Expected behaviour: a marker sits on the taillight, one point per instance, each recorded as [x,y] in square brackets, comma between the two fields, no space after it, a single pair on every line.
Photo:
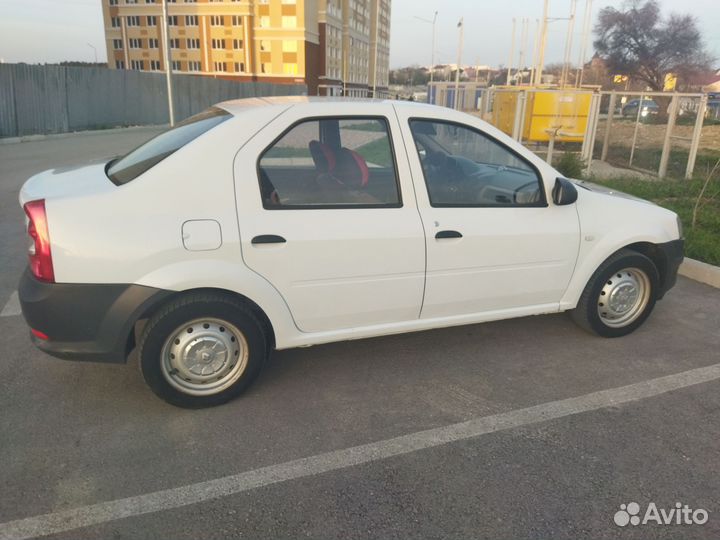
[39,251]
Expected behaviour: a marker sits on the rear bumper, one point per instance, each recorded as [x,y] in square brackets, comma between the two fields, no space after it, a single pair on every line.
[90,322]
[673,255]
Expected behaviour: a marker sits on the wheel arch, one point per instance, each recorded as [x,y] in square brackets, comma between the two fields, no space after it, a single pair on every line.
[147,311]
[595,258]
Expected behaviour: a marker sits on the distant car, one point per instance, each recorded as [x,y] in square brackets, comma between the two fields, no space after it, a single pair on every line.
[649,108]
[287,222]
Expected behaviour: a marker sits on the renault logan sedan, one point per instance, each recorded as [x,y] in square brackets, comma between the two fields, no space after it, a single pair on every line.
[274,223]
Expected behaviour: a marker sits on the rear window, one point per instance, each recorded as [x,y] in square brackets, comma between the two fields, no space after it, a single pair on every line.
[136,162]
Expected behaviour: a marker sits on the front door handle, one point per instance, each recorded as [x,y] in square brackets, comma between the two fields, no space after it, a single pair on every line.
[447,234]
[268,239]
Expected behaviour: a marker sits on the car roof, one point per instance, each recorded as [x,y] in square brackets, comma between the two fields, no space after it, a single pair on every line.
[238,106]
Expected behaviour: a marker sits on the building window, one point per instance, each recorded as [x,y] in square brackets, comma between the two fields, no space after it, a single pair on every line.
[115,22]
[152,20]
[264,45]
[193,66]
[131,1]
[152,43]
[220,66]
[176,65]
[289,1]
[155,65]
[137,64]
[290,69]
[191,20]
[289,46]
[193,43]
[217,20]
[289,21]
[265,68]
[173,20]
[264,21]
[117,44]
[237,20]
[237,43]
[113,2]
[150,1]
[239,67]
[218,44]
[119,64]
[175,43]
[190,2]
[135,43]
[133,20]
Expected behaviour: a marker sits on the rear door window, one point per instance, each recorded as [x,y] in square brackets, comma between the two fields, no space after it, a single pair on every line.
[136,162]
[330,163]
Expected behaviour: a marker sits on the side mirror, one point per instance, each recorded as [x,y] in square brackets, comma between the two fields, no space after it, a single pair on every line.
[564,192]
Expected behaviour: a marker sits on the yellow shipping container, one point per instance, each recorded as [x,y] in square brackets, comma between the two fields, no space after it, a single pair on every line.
[563,111]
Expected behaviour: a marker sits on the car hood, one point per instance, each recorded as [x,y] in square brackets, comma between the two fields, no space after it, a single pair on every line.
[66,182]
[604,190]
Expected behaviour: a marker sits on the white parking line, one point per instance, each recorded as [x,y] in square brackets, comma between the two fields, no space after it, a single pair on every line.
[85,516]
[12,306]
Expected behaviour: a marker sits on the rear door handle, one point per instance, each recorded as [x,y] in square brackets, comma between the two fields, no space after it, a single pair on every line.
[268,239]
[447,234]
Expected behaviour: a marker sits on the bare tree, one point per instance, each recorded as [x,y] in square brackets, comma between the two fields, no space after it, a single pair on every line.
[637,41]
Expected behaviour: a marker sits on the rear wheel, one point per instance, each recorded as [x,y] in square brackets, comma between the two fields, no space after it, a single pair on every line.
[202,350]
[620,295]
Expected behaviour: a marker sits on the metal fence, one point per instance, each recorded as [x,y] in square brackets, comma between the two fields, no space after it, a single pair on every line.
[57,99]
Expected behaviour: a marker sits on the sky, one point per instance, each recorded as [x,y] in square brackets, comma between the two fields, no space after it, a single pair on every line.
[55,30]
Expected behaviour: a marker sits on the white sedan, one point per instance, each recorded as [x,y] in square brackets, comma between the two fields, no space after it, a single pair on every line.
[274,223]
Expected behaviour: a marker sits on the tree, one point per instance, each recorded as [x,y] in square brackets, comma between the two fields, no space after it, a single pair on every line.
[637,41]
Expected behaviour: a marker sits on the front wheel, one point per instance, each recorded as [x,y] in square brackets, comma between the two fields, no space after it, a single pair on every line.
[620,295]
[202,350]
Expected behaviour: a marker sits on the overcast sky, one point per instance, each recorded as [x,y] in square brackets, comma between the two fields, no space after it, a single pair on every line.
[56,30]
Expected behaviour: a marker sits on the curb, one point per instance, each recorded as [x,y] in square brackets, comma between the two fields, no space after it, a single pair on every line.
[35,138]
[700,271]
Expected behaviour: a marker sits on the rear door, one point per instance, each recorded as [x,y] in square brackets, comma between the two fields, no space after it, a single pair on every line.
[327,215]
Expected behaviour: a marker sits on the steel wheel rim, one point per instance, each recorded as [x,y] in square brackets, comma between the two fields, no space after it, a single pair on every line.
[624,297]
[204,356]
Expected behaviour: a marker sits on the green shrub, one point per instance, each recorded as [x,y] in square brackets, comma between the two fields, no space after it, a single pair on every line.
[570,165]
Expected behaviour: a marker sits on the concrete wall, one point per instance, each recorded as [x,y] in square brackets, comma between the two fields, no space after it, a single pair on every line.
[56,99]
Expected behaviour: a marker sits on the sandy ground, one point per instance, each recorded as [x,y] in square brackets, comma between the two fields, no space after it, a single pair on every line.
[652,135]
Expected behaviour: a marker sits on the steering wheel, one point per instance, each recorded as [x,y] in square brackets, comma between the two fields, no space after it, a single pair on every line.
[534,196]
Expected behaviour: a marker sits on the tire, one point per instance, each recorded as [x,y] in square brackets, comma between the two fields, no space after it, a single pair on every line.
[620,295]
[202,350]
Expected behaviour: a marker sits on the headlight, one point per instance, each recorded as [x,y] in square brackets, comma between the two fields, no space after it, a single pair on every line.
[680,228]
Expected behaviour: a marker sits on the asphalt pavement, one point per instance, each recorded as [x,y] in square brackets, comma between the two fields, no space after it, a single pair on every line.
[526,428]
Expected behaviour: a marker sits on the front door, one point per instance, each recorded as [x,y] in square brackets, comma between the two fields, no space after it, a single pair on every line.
[494,244]
[327,215]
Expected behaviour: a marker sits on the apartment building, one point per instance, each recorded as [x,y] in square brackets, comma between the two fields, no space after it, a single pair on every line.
[335,47]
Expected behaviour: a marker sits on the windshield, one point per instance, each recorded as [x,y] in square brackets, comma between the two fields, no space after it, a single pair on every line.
[144,157]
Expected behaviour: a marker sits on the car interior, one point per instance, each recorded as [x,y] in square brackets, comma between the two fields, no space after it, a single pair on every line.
[477,172]
[329,162]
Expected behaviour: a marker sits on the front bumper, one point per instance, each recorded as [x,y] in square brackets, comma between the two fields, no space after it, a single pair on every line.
[91,322]
[672,255]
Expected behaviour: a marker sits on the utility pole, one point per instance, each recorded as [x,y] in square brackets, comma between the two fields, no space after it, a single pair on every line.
[568,45]
[512,53]
[375,63]
[459,61]
[535,51]
[543,43]
[168,62]
[525,22]
[587,18]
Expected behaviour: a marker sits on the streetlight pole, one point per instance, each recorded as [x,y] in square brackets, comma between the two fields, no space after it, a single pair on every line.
[94,50]
[432,53]
[168,63]
[459,60]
